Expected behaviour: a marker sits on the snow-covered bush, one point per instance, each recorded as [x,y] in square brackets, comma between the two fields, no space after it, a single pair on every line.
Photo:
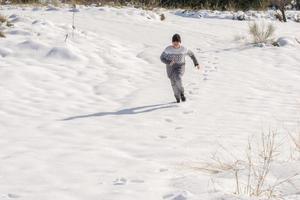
[262,32]
[241,16]
[297,18]
[162,17]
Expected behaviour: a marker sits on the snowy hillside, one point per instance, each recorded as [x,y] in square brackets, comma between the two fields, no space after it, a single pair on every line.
[89,114]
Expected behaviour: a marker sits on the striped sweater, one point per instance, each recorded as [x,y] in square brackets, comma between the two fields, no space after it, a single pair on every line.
[178,56]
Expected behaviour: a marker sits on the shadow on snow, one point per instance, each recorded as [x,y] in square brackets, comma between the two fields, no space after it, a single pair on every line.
[126,111]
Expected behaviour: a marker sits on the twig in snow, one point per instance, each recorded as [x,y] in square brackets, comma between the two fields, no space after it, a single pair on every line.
[66,37]
[73,20]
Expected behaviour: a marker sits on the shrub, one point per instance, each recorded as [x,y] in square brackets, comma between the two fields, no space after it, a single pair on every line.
[2,34]
[278,16]
[261,32]
[9,24]
[297,18]
[162,17]
[2,19]
[281,5]
[296,141]
[251,174]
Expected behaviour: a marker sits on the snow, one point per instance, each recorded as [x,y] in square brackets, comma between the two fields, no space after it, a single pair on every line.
[61,53]
[239,15]
[286,41]
[89,113]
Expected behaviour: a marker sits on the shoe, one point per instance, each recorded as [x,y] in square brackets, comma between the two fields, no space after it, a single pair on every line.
[177,99]
[183,99]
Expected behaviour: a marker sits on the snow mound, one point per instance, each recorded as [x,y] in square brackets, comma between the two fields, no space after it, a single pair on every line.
[31,45]
[36,9]
[74,10]
[62,53]
[133,12]
[149,15]
[16,19]
[183,195]
[51,8]
[18,32]
[103,9]
[204,14]
[42,22]
[5,52]
[13,16]
[238,15]
[286,41]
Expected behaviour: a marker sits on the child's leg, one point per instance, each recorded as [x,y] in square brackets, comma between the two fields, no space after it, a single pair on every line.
[175,89]
[179,85]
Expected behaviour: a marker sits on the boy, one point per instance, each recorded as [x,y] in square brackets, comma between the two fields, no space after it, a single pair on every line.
[174,57]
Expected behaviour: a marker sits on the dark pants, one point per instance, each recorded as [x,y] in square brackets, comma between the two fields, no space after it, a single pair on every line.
[176,82]
[175,74]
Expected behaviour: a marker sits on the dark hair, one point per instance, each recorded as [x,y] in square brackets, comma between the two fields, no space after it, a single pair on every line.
[176,38]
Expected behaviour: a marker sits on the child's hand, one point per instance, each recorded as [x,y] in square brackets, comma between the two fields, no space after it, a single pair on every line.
[172,63]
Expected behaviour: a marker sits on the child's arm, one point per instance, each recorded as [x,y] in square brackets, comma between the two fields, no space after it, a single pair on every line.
[164,59]
[193,57]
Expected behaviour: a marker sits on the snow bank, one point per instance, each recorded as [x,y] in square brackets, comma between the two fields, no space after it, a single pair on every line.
[19,32]
[16,19]
[52,8]
[32,45]
[239,15]
[286,41]
[62,53]
[133,12]
[4,52]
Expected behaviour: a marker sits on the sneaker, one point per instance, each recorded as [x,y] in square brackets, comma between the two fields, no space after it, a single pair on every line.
[183,98]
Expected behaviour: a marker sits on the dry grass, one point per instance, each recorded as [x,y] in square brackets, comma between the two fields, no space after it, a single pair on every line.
[295,138]
[9,24]
[217,166]
[3,19]
[2,34]
[251,174]
[261,32]
[259,164]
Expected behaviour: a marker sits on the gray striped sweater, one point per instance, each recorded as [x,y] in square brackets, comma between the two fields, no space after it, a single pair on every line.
[178,56]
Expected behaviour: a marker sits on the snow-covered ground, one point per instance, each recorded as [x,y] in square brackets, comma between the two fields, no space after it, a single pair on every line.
[248,15]
[89,114]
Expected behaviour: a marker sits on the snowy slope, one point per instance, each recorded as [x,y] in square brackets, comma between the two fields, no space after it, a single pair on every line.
[91,116]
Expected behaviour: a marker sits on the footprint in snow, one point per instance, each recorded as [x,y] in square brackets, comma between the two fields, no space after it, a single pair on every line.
[9,196]
[137,181]
[120,181]
[168,120]
[177,196]
[188,112]
[163,170]
[178,128]
[162,137]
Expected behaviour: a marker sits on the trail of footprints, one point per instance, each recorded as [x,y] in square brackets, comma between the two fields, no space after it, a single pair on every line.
[211,63]
[177,195]
[210,66]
